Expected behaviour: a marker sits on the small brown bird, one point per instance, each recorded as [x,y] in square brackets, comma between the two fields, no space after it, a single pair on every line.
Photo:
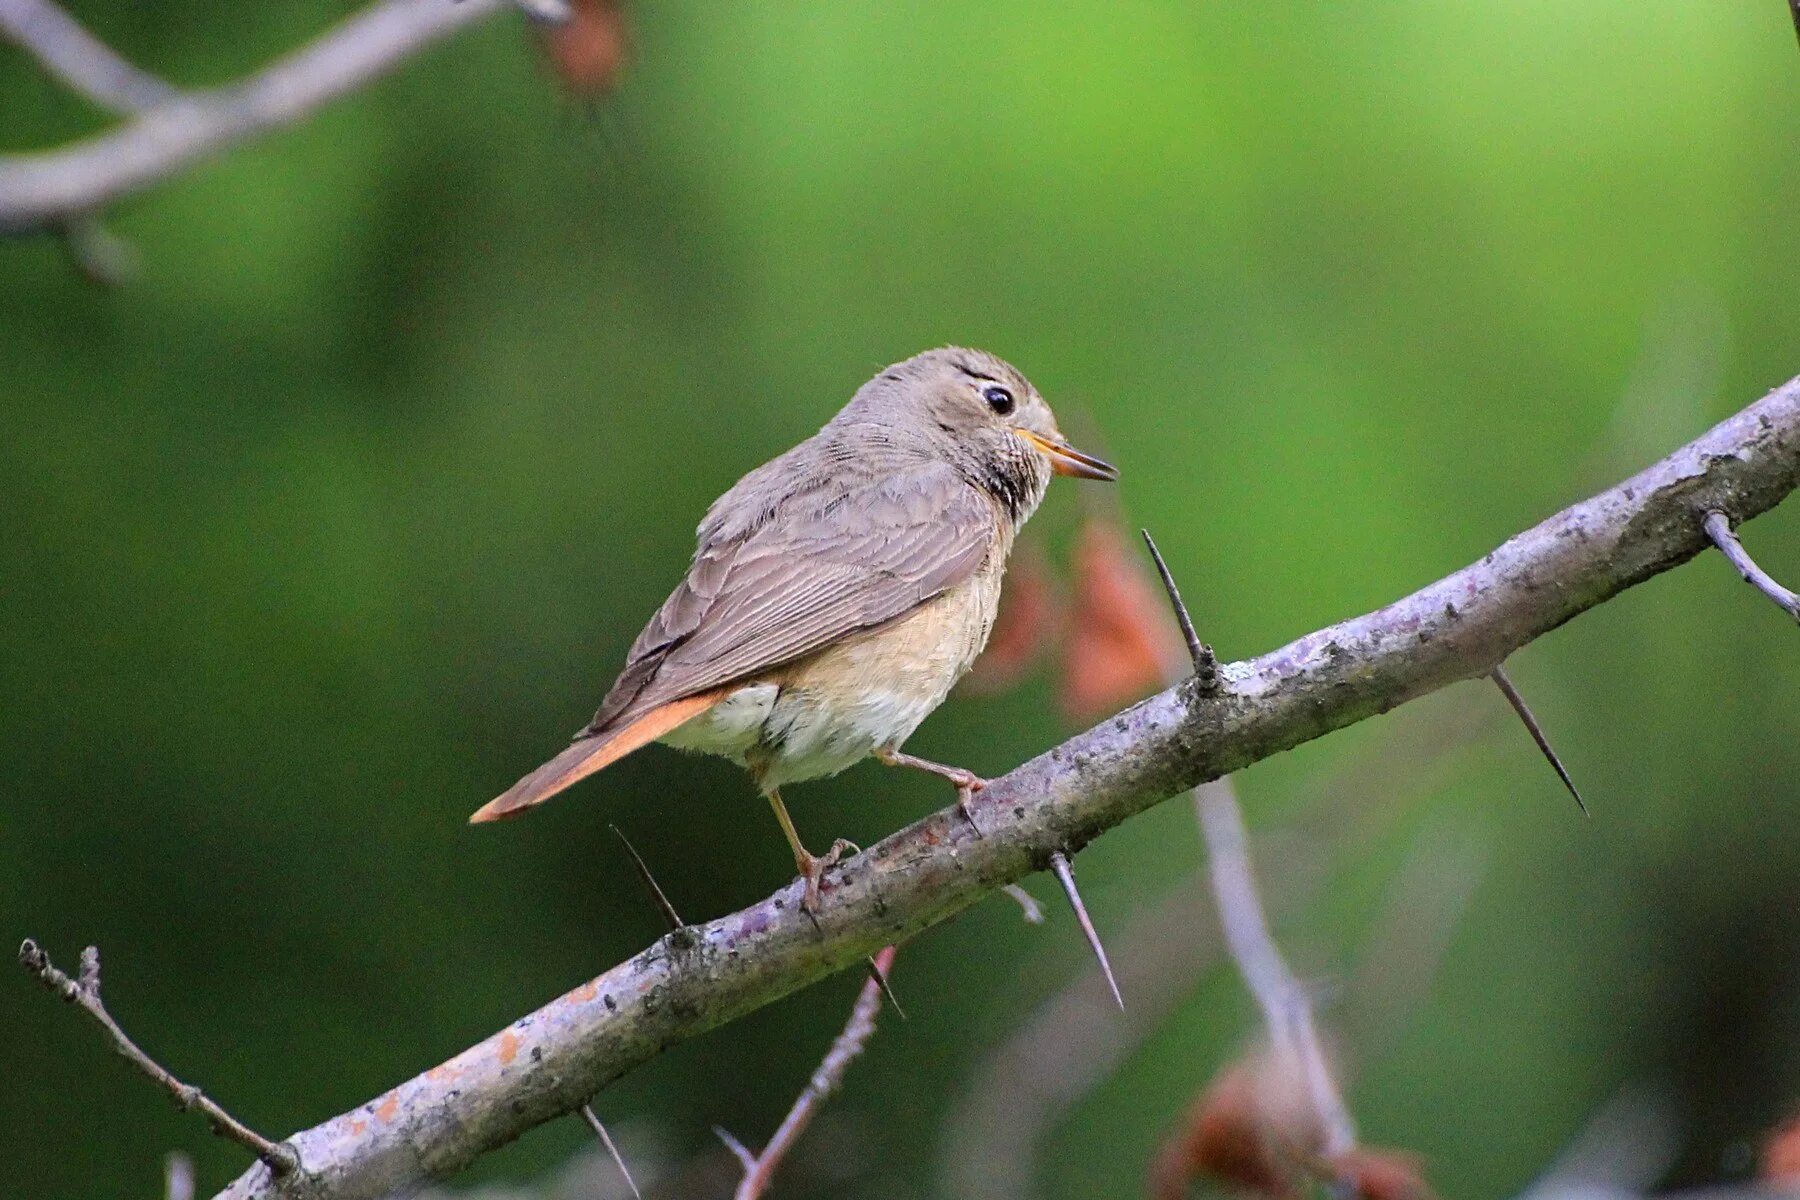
[839,591]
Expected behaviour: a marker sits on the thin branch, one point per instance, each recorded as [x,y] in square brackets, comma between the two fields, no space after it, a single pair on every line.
[1718,528]
[587,1114]
[44,190]
[759,1169]
[1286,1008]
[1206,663]
[85,992]
[1514,697]
[1065,875]
[82,62]
[546,1064]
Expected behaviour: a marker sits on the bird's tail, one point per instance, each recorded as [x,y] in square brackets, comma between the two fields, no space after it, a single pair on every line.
[593,752]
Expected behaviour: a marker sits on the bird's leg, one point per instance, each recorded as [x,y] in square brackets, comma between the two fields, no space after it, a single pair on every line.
[812,867]
[967,782]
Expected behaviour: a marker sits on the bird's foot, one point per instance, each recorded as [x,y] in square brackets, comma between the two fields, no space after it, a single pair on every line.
[967,783]
[813,868]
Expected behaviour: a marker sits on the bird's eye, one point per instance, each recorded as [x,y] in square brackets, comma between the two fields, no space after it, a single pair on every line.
[998,399]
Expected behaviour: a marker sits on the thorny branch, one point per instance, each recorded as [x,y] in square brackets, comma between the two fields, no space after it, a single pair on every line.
[85,991]
[47,190]
[759,1169]
[81,61]
[548,1063]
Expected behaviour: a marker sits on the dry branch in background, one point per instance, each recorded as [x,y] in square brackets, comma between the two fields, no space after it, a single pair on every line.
[48,189]
[85,992]
[846,1048]
[79,60]
[548,1063]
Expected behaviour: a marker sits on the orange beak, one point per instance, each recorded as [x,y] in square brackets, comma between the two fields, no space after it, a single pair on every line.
[1067,460]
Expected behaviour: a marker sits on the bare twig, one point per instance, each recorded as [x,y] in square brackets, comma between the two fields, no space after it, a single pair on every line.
[99,255]
[1718,528]
[669,915]
[44,190]
[81,61]
[1514,697]
[1065,875]
[548,1063]
[1206,663]
[1029,908]
[1286,1008]
[85,991]
[587,1114]
[759,1169]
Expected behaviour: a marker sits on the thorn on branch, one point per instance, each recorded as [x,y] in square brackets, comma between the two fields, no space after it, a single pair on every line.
[546,12]
[85,991]
[1718,528]
[1065,875]
[879,976]
[759,1169]
[1206,663]
[673,918]
[587,1113]
[1504,682]
[178,1177]
[98,255]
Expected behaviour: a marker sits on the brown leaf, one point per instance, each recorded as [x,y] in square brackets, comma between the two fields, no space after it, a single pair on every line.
[588,51]
[1032,613]
[1227,1136]
[1781,1154]
[1378,1174]
[1124,643]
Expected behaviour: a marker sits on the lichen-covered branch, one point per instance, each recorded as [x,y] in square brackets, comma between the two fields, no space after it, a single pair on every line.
[46,190]
[548,1063]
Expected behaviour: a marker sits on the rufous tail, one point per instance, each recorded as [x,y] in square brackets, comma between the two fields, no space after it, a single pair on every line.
[589,754]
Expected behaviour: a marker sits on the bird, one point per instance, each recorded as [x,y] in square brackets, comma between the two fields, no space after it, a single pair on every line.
[837,592]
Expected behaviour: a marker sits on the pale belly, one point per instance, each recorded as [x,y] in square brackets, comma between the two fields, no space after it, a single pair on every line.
[818,716]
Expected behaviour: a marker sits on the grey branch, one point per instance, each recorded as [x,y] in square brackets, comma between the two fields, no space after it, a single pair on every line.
[548,1063]
[81,61]
[85,992]
[759,1169]
[1718,528]
[46,190]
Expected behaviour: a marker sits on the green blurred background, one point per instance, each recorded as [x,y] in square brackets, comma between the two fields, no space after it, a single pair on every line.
[342,514]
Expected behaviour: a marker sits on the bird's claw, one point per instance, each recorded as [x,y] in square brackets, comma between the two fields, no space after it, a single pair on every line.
[812,872]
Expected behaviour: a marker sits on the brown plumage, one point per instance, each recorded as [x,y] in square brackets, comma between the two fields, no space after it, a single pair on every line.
[838,590]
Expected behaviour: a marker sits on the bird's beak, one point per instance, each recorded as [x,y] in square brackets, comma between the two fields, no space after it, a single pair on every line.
[1067,460]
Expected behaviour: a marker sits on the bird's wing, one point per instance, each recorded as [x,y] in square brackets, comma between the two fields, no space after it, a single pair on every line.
[832,562]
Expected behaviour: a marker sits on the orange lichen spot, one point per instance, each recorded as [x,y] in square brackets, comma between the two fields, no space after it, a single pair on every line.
[443,1072]
[388,1109]
[583,994]
[509,1048]
[358,1128]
